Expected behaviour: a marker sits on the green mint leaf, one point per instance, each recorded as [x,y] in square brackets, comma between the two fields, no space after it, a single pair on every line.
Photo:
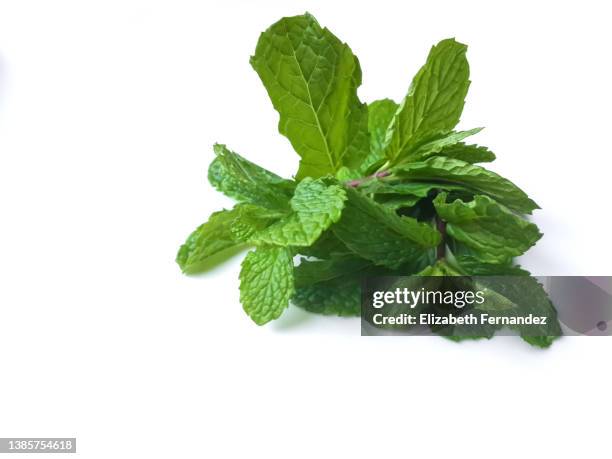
[527,296]
[312,272]
[440,268]
[345,174]
[470,176]
[474,266]
[433,281]
[396,202]
[434,270]
[327,246]
[434,147]
[468,153]
[443,270]
[418,189]
[457,334]
[380,114]
[378,234]
[434,102]
[495,233]
[333,286]
[316,206]
[266,283]
[540,341]
[339,297]
[469,262]
[396,195]
[223,230]
[312,80]
[240,179]
[522,294]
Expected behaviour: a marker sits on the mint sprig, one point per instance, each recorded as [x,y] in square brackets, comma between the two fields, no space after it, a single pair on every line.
[383,188]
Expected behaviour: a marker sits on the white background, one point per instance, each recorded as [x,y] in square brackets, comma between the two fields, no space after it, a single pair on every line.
[108,111]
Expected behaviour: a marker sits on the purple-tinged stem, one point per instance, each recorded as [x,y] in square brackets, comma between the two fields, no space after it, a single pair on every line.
[355,183]
[441,249]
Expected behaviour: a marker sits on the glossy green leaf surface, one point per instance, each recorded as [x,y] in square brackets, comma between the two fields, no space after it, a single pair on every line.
[378,234]
[266,283]
[312,80]
[490,229]
[434,102]
[470,176]
[244,181]
[316,206]
[223,230]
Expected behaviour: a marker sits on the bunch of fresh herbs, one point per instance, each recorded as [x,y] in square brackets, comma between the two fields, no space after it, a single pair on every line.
[382,188]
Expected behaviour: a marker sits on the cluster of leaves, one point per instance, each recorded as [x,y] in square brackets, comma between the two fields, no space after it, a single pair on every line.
[382,188]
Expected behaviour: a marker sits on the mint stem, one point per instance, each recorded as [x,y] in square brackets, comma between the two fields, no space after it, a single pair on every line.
[355,183]
[441,227]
